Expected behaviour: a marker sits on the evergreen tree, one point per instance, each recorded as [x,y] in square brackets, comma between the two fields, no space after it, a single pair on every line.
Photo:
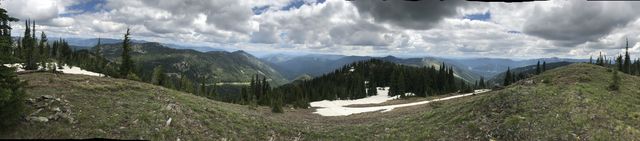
[482,83]
[615,83]
[538,68]
[619,62]
[43,50]
[626,68]
[159,77]
[508,78]
[11,96]
[6,41]
[29,47]
[98,55]
[276,102]
[544,66]
[126,66]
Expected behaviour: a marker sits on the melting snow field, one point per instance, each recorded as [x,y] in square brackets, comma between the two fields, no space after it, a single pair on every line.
[336,107]
[65,69]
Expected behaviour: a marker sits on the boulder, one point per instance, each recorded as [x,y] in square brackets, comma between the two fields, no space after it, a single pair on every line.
[38,119]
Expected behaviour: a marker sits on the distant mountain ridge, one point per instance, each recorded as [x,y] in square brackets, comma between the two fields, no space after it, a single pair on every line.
[318,64]
[237,66]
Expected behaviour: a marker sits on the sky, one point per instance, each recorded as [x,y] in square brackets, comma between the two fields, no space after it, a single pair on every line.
[451,28]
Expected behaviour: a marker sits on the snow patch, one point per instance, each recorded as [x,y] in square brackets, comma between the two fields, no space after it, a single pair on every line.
[336,107]
[65,69]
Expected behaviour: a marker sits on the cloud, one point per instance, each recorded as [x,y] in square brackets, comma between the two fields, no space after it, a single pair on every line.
[571,23]
[360,27]
[409,14]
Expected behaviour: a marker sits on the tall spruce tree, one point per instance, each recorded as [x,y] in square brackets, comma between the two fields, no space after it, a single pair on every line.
[626,68]
[544,66]
[6,41]
[159,77]
[126,66]
[538,68]
[28,43]
[507,78]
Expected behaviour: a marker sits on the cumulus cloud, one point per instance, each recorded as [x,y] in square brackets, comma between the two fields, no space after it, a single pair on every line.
[575,22]
[360,27]
[409,14]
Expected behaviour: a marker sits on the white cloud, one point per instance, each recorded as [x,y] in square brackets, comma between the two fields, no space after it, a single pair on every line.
[345,27]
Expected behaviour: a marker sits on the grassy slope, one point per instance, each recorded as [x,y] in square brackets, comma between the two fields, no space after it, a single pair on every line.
[575,105]
[116,108]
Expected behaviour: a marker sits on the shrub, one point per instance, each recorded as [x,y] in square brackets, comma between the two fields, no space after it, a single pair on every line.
[11,97]
[615,84]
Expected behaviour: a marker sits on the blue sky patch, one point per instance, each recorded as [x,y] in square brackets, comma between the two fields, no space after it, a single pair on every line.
[87,6]
[486,16]
[295,4]
[260,9]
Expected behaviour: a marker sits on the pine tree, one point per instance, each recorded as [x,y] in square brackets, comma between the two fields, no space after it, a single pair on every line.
[159,77]
[29,45]
[11,96]
[544,66]
[538,68]
[98,55]
[126,66]
[6,41]
[508,78]
[276,102]
[619,62]
[43,50]
[481,83]
[615,83]
[627,60]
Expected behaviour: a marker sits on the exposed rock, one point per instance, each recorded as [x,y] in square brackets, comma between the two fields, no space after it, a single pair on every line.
[168,123]
[50,108]
[56,109]
[47,97]
[36,112]
[38,119]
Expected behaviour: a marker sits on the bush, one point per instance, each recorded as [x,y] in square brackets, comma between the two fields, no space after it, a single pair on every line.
[615,84]
[11,97]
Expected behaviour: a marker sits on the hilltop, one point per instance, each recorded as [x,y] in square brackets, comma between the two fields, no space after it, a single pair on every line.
[567,103]
[237,66]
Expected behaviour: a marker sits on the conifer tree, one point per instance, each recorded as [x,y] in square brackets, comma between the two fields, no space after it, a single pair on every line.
[538,68]
[126,66]
[508,78]
[43,50]
[544,66]
[619,62]
[6,41]
[159,77]
[29,45]
[626,68]
[615,83]
[11,96]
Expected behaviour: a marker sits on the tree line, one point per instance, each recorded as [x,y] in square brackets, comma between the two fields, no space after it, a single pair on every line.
[362,79]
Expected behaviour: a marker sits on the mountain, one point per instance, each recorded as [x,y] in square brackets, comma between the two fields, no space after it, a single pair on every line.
[572,103]
[316,65]
[313,65]
[432,61]
[237,66]
[91,42]
[527,70]
[489,67]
